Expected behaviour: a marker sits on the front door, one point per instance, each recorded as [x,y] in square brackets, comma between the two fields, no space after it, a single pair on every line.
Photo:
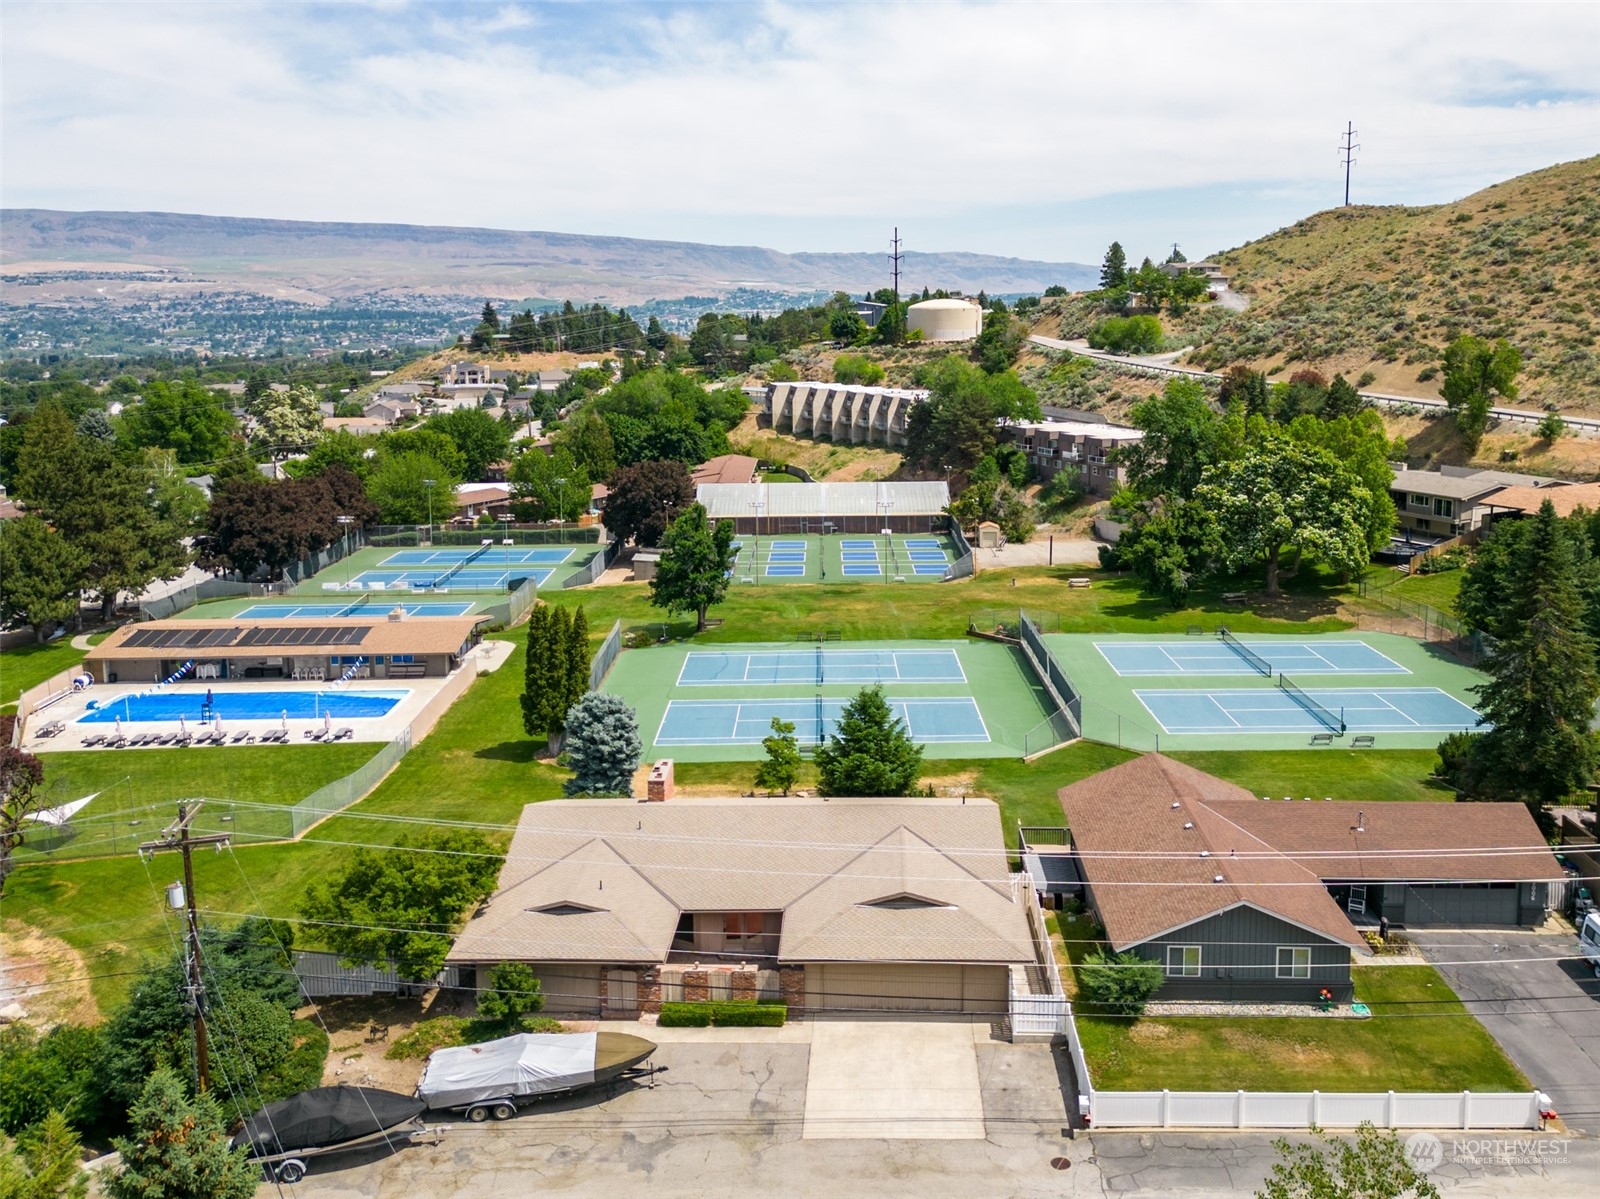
[622,993]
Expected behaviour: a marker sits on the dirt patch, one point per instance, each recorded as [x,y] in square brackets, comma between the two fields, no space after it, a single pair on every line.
[361,1029]
[1148,1031]
[46,976]
[821,459]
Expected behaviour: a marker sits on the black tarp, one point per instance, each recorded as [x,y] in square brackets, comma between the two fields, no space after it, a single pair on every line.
[323,1117]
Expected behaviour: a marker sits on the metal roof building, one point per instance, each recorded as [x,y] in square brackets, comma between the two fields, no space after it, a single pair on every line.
[828,507]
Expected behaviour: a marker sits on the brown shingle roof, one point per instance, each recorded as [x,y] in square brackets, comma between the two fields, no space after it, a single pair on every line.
[1152,852]
[726,468]
[821,863]
[378,635]
[1153,835]
[1565,500]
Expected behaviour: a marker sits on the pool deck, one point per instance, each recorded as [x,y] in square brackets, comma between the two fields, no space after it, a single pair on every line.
[489,655]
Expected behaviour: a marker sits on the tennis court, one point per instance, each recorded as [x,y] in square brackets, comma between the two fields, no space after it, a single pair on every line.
[818,664]
[480,568]
[942,720]
[1214,656]
[361,607]
[859,558]
[1275,710]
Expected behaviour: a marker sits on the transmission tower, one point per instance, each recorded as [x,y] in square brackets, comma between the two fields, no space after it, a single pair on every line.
[894,264]
[1347,149]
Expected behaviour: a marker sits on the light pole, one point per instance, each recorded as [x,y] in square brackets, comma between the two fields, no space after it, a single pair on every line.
[888,546]
[345,522]
[429,484]
[760,505]
[561,503]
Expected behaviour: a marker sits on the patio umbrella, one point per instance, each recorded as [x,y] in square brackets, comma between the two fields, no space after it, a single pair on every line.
[286,720]
[119,726]
[327,723]
[180,723]
[216,724]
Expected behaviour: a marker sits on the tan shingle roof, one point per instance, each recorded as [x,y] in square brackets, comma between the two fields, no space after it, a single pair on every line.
[378,635]
[1152,850]
[1565,500]
[821,863]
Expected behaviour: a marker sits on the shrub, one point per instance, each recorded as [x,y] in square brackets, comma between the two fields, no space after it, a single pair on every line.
[1128,335]
[736,1014]
[857,368]
[1119,982]
[444,1032]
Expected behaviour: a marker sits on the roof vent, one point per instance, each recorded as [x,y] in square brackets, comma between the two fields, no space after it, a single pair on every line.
[903,902]
[1175,805]
[1205,853]
[1188,824]
[565,909]
[1216,878]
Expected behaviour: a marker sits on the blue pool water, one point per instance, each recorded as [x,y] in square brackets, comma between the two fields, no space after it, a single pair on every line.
[246,705]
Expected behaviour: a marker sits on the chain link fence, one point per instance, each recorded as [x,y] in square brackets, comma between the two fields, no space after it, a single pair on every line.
[605,656]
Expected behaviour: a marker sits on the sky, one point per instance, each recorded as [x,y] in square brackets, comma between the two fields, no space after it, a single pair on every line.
[1033,130]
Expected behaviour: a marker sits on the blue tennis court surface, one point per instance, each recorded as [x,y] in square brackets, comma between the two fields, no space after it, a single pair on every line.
[1271,710]
[718,722]
[714,668]
[474,578]
[512,555]
[1207,655]
[367,605]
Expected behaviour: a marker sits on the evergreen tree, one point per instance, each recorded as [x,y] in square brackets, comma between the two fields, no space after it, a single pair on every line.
[656,337]
[869,752]
[781,770]
[1543,681]
[1114,270]
[490,317]
[1343,399]
[576,661]
[45,1162]
[179,1149]
[603,745]
[539,678]
[40,575]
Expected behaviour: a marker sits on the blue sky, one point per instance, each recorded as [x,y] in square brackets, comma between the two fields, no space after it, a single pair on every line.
[1037,131]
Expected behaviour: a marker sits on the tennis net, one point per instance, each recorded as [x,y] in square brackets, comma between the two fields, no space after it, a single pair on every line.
[820,737]
[1333,723]
[819,663]
[1256,662]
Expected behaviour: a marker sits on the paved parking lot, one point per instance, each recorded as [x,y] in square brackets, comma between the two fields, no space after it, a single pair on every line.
[1543,1011]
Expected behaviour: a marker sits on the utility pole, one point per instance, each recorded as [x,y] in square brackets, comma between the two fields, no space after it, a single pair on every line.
[176,836]
[894,262]
[1348,148]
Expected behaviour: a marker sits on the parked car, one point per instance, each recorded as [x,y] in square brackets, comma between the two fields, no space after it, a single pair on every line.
[1589,940]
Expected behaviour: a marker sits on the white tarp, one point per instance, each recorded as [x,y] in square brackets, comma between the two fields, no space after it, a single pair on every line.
[526,1064]
[59,816]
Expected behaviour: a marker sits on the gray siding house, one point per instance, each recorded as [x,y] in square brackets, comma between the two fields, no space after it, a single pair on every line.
[1250,899]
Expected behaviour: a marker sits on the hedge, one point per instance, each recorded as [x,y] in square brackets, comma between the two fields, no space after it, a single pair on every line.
[740,1014]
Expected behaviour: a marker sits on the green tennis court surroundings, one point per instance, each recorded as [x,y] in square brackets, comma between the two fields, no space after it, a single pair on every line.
[1216,690]
[960,699]
[843,557]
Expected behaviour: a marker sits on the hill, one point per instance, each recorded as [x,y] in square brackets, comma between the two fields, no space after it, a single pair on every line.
[1385,289]
[324,261]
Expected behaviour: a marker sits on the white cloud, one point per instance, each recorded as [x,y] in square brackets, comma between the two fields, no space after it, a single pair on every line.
[787,123]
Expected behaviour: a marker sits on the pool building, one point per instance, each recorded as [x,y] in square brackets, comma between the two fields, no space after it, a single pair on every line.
[396,646]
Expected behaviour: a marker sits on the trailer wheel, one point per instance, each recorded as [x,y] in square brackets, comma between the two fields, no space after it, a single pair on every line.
[291,1171]
[504,1111]
[477,1113]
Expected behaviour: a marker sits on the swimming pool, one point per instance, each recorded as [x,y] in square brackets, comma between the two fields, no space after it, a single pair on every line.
[246,705]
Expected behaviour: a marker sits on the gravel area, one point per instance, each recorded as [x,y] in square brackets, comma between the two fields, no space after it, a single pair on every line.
[1251,1009]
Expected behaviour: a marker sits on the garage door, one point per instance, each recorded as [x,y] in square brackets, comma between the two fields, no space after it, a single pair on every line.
[1466,907]
[569,990]
[854,986]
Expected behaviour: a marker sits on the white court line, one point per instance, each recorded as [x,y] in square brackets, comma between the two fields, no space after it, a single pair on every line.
[1403,713]
[1213,701]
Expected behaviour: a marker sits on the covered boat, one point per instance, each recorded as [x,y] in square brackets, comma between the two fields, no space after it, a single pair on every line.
[325,1118]
[484,1079]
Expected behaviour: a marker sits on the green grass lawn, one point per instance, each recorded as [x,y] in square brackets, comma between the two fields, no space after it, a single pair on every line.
[1328,773]
[1437,591]
[1420,1038]
[29,665]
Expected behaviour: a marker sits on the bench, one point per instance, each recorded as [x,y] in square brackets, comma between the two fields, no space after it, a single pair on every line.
[1233,597]
[1321,738]
[1077,582]
[1363,743]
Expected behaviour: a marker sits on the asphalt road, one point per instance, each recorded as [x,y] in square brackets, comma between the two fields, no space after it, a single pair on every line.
[1539,1001]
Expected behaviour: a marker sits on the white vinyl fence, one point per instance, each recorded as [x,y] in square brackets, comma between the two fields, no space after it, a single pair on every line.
[1303,1109]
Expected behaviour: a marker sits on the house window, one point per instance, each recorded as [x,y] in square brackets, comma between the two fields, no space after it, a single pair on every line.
[742,926]
[1294,961]
[1421,501]
[1183,961]
[1444,507]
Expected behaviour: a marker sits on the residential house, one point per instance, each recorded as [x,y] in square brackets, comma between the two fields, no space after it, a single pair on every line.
[479,499]
[1512,502]
[469,385]
[1083,447]
[1216,278]
[1444,503]
[392,412]
[359,425]
[831,905]
[869,311]
[1257,899]
[8,507]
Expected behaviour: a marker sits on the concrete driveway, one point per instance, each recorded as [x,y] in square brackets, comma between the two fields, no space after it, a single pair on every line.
[1544,1011]
[894,1079]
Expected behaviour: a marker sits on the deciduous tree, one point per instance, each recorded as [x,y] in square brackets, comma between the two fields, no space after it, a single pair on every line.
[549,486]
[480,439]
[1285,495]
[192,421]
[403,902]
[643,498]
[1374,1166]
[1182,436]
[1475,373]
[869,752]
[411,487]
[780,770]
[286,421]
[20,800]
[696,563]
[514,994]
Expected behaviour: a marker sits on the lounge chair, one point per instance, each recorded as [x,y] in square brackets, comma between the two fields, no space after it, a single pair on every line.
[115,741]
[240,736]
[184,739]
[344,734]
[93,739]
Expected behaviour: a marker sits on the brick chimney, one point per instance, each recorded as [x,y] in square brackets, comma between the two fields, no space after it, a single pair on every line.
[658,788]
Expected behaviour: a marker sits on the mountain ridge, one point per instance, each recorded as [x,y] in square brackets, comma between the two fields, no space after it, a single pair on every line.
[334,258]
